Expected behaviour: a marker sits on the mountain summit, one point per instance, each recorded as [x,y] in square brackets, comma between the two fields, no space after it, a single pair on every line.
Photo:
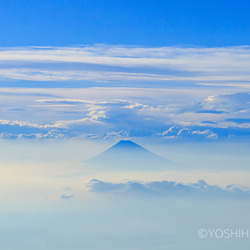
[127,155]
[127,145]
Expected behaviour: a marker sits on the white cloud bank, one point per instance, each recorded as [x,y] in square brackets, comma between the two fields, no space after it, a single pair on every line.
[169,188]
[124,112]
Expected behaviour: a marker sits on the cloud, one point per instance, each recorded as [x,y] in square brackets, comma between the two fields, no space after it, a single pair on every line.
[30,130]
[113,113]
[39,136]
[219,104]
[117,135]
[29,124]
[66,197]
[175,132]
[224,65]
[169,188]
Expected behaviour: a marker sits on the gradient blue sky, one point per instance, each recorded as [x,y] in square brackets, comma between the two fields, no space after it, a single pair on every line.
[142,23]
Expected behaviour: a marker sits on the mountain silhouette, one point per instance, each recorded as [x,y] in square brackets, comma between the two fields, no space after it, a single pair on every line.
[127,155]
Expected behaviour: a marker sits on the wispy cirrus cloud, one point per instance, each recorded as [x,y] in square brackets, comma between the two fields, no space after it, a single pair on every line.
[121,63]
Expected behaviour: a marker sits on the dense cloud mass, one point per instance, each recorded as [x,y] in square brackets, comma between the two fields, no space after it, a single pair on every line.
[137,113]
[169,188]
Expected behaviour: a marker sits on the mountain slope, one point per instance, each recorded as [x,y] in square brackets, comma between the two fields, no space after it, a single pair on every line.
[127,155]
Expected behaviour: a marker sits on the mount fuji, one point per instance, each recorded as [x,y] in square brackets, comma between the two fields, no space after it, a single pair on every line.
[127,155]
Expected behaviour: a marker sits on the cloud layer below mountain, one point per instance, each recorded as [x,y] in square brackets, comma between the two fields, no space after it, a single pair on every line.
[171,189]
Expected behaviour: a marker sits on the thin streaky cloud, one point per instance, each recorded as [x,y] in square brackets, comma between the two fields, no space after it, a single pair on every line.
[106,76]
[107,63]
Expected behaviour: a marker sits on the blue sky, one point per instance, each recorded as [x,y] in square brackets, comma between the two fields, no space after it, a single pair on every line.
[144,23]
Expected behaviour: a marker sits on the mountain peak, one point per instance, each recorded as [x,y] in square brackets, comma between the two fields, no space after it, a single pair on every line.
[126,144]
[127,154]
